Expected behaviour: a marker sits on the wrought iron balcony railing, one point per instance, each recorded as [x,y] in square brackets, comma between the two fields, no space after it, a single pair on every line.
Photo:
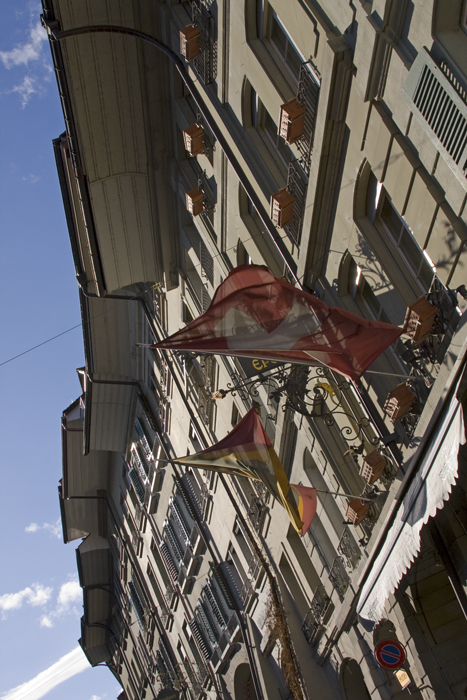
[308,96]
[339,577]
[205,64]
[320,611]
[348,549]
[297,184]
[143,439]
[257,513]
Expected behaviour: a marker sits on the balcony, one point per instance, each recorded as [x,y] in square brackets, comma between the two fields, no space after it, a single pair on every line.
[257,513]
[138,464]
[339,577]
[205,62]
[137,485]
[180,520]
[226,643]
[297,184]
[143,439]
[316,618]
[204,405]
[349,550]
[137,606]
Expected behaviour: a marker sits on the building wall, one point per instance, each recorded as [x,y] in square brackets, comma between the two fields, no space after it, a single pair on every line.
[379,221]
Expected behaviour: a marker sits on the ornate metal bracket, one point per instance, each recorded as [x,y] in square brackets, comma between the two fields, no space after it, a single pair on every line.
[312,392]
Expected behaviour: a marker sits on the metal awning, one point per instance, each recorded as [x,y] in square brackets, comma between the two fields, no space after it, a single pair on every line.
[427,494]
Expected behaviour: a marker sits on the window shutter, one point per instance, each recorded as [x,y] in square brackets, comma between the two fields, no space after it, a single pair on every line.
[439,108]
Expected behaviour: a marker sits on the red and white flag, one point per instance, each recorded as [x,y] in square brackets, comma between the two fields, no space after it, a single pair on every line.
[253,314]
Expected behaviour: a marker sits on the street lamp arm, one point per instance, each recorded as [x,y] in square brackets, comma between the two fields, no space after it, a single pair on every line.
[56,34]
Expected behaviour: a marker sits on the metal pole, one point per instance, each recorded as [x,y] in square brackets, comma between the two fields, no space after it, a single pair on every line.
[206,466]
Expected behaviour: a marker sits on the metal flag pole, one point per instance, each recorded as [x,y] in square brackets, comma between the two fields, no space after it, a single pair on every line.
[392,374]
[332,493]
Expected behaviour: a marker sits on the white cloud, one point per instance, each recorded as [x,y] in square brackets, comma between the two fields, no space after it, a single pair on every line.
[45,621]
[36,595]
[29,51]
[70,593]
[66,667]
[96,697]
[27,89]
[56,527]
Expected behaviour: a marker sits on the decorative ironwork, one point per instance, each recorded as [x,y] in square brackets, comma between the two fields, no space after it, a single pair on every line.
[246,592]
[376,506]
[143,439]
[209,140]
[297,184]
[308,96]
[339,577]
[321,395]
[257,513]
[205,64]
[139,464]
[349,550]
[164,368]
[262,492]
[410,420]
[204,406]
[180,519]
[206,363]
[319,612]
[205,498]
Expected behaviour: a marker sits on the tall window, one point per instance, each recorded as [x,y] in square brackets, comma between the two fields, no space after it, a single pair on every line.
[402,237]
[266,127]
[284,46]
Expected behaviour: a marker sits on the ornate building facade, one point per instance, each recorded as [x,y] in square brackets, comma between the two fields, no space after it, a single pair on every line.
[329,142]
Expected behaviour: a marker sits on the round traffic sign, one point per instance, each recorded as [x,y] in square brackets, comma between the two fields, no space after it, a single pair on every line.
[390,653]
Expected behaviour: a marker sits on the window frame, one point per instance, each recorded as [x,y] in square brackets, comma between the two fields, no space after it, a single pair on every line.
[424,263]
[290,45]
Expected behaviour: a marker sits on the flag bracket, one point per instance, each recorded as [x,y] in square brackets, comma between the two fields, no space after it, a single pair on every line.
[314,395]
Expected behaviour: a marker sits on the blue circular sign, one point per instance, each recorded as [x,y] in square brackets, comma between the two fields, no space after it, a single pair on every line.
[390,653]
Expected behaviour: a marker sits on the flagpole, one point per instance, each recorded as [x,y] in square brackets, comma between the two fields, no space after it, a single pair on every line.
[392,374]
[317,364]
[331,493]
[347,495]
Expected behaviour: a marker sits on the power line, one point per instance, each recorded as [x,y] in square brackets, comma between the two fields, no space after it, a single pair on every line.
[79,325]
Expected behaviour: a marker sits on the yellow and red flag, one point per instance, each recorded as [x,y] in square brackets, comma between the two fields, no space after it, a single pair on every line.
[253,314]
[247,451]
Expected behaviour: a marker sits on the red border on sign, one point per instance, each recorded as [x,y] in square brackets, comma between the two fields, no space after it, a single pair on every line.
[398,660]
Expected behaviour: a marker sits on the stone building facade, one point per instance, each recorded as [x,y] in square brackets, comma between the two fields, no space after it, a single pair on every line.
[329,142]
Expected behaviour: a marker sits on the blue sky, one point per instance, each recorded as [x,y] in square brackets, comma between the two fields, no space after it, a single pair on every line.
[40,600]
